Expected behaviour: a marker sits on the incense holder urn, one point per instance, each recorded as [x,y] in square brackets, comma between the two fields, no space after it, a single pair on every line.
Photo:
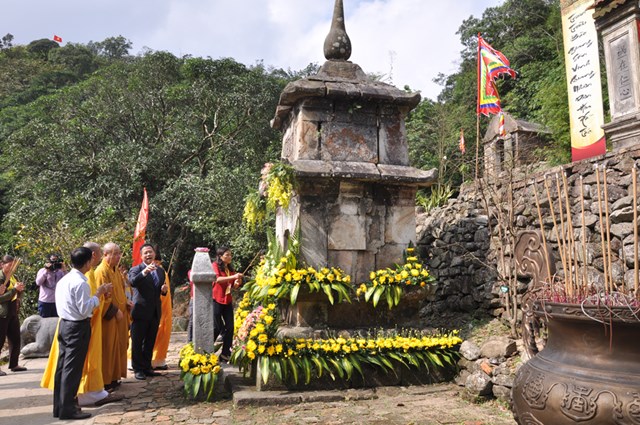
[588,372]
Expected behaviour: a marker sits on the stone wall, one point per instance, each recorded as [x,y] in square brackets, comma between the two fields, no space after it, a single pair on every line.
[460,239]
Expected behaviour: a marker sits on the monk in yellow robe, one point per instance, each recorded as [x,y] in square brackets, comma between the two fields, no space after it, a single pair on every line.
[115,318]
[91,390]
[160,348]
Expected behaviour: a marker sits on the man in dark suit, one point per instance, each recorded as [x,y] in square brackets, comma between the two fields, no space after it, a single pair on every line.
[147,281]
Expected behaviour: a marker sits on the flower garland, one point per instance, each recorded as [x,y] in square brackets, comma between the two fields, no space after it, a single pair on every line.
[198,371]
[389,283]
[277,185]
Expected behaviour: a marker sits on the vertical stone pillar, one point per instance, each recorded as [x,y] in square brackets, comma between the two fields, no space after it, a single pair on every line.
[202,276]
[618,27]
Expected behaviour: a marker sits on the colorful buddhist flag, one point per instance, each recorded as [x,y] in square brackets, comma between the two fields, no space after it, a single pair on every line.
[491,65]
[461,143]
[57,39]
[140,233]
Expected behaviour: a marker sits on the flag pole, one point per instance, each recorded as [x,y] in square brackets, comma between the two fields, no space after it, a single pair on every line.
[478,111]
[477,143]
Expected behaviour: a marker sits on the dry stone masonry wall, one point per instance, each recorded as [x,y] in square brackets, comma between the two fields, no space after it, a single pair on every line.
[460,239]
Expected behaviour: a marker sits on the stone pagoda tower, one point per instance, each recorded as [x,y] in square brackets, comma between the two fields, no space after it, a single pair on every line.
[344,134]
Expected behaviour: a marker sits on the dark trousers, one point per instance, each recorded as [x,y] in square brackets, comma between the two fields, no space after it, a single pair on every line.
[47,309]
[10,329]
[143,338]
[223,325]
[73,344]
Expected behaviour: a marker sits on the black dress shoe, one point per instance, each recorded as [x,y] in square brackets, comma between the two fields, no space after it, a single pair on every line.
[163,367]
[152,373]
[18,369]
[140,375]
[77,415]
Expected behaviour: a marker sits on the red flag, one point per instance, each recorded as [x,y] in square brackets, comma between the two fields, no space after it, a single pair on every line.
[141,230]
[461,144]
[57,39]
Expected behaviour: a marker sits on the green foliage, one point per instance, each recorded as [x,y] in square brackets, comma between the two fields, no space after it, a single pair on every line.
[80,136]
[42,47]
[437,198]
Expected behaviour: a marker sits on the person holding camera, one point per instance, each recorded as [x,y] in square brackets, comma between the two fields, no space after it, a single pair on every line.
[47,279]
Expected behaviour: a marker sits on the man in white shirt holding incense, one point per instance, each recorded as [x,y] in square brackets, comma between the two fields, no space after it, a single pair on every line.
[75,306]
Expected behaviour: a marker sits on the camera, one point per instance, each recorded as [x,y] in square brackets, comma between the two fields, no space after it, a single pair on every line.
[53,262]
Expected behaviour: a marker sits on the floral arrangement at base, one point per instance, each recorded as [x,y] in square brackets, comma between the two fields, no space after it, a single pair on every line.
[279,276]
[389,283]
[257,329]
[305,359]
[199,372]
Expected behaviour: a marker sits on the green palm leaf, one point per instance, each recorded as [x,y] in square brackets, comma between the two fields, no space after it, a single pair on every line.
[338,368]
[294,369]
[327,290]
[379,290]
[196,384]
[264,365]
[348,368]
[306,366]
[294,293]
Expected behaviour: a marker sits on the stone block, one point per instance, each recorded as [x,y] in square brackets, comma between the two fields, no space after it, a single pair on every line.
[469,350]
[393,141]
[349,142]
[479,384]
[400,225]
[389,255]
[498,347]
[307,144]
[287,221]
[313,235]
[501,393]
[309,313]
[347,232]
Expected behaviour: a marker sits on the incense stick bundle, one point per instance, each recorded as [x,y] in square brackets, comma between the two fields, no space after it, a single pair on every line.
[572,240]
[602,237]
[555,226]
[544,238]
[585,284]
[634,176]
[14,266]
[606,207]
[568,276]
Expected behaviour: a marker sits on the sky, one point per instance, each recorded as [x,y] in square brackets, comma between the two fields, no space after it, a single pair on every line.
[408,42]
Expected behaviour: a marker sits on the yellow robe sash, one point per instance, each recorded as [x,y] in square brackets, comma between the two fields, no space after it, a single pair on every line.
[115,333]
[161,346]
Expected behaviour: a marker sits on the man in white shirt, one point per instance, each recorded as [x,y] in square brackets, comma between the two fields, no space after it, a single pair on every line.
[75,306]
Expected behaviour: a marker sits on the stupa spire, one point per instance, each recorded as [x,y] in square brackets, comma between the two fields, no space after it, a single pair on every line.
[337,45]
